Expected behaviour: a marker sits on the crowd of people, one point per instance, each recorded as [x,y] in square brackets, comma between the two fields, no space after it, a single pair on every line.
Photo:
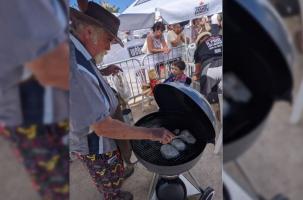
[206,33]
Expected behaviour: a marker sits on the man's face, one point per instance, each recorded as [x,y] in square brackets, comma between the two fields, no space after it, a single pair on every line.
[177,28]
[101,43]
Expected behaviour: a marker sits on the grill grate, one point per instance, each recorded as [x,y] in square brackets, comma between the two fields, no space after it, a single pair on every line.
[149,151]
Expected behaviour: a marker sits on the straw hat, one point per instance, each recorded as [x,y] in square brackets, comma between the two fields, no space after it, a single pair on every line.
[201,35]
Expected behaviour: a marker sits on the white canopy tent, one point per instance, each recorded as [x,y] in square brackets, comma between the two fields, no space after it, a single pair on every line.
[136,21]
[141,14]
[173,11]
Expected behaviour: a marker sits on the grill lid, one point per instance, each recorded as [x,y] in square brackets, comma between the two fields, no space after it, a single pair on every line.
[176,97]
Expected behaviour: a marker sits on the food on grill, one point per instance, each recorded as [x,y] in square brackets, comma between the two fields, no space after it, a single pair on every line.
[168,151]
[177,131]
[186,136]
[178,144]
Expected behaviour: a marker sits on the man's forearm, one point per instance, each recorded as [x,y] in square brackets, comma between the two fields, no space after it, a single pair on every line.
[198,69]
[52,68]
[182,38]
[115,129]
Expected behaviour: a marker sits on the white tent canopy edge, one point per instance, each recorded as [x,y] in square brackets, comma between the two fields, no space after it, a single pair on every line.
[177,10]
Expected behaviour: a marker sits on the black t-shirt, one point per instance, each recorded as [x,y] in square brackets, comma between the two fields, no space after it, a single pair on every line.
[210,48]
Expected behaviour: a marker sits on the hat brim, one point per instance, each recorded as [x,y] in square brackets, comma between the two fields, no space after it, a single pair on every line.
[74,13]
[201,35]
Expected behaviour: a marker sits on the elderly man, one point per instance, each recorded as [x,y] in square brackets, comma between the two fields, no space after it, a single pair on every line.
[208,58]
[93,103]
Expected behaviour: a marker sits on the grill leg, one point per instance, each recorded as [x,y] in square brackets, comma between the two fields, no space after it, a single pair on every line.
[192,180]
[152,186]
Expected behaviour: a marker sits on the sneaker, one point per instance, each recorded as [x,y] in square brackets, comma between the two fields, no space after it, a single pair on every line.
[128,171]
[124,195]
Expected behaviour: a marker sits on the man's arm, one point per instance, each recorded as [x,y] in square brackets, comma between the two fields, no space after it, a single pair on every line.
[110,70]
[184,39]
[198,71]
[174,42]
[180,38]
[52,68]
[115,129]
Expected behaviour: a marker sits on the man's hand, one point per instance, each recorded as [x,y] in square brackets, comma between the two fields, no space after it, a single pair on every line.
[161,135]
[166,50]
[195,78]
[111,70]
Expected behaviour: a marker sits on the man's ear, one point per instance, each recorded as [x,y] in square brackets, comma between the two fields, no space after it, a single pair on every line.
[88,32]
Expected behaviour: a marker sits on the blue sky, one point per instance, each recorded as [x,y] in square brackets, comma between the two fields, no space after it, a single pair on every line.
[122,4]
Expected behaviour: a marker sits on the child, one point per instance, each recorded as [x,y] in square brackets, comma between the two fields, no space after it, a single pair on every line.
[177,73]
[153,78]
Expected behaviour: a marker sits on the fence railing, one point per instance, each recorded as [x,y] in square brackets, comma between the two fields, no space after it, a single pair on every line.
[130,68]
[136,71]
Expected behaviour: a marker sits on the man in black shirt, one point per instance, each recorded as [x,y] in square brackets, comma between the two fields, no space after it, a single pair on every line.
[208,59]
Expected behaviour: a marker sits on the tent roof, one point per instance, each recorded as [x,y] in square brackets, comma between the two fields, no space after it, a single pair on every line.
[136,21]
[177,10]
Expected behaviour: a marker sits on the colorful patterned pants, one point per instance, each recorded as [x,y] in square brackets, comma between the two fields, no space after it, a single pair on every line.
[44,156]
[106,171]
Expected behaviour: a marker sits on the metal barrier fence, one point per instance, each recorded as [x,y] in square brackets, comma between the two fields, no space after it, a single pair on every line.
[129,67]
[136,71]
[162,62]
[191,48]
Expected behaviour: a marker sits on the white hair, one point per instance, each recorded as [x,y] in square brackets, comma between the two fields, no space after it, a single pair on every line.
[77,28]
[78,25]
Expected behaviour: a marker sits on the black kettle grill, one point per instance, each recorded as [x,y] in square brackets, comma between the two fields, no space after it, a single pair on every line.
[181,107]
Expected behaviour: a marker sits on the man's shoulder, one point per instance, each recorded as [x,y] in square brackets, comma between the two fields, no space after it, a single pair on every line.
[80,77]
[79,48]
[171,33]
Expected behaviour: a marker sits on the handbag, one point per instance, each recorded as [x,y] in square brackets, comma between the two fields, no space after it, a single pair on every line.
[122,86]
